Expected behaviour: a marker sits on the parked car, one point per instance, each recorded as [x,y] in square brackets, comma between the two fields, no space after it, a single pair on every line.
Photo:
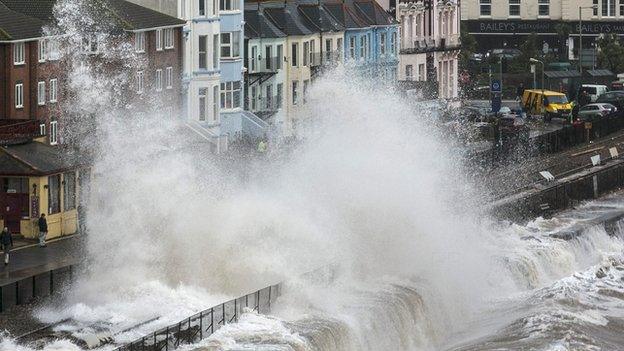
[615,98]
[593,90]
[596,110]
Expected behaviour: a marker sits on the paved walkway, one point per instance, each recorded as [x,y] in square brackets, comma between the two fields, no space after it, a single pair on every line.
[30,260]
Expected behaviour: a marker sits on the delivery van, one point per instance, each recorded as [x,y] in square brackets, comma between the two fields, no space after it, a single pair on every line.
[546,103]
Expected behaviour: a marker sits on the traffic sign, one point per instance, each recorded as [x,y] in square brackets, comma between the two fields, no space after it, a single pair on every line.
[496,86]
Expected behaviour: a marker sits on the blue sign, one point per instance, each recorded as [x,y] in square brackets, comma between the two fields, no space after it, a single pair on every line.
[496,102]
[496,87]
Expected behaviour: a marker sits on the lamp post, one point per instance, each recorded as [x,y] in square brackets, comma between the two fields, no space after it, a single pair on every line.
[532,60]
[593,7]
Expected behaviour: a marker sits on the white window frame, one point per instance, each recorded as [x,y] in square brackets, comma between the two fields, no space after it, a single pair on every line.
[215,102]
[19,53]
[514,5]
[352,47]
[169,40]
[42,46]
[233,45]
[53,50]
[202,103]
[139,42]
[228,5]
[169,78]
[19,95]
[41,93]
[382,43]
[543,4]
[159,39]
[53,90]
[159,80]
[53,132]
[202,52]
[485,4]
[229,91]
[608,8]
[140,82]
[295,87]
[42,129]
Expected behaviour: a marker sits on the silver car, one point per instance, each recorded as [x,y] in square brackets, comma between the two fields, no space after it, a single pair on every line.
[591,111]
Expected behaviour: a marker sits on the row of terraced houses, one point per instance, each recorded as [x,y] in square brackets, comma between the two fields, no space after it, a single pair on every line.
[227,69]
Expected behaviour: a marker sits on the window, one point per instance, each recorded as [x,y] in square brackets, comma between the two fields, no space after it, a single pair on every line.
[42,129]
[312,51]
[280,56]
[69,191]
[202,8]
[203,52]
[328,49]
[608,8]
[215,52]
[53,87]
[203,100]
[279,94]
[159,39]
[215,103]
[54,194]
[19,54]
[53,132]
[268,57]
[393,43]
[43,50]
[362,47]
[544,7]
[306,83]
[41,93]
[169,41]
[90,44]
[139,82]
[254,94]
[595,9]
[254,55]
[293,54]
[159,82]
[294,92]
[409,72]
[139,42]
[230,44]
[53,50]
[269,97]
[230,94]
[485,7]
[339,47]
[352,47]
[514,8]
[382,43]
[306,53]
[621,8]
[228,5]
[19,95]
[169,78]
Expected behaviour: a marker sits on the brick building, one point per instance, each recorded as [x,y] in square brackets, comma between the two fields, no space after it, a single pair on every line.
[35,173]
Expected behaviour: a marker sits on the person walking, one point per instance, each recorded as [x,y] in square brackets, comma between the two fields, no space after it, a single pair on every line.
[6,243]
[520,91]
[43,230]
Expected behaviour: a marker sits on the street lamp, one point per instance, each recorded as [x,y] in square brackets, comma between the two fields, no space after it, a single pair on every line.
[532,60]
[593,7]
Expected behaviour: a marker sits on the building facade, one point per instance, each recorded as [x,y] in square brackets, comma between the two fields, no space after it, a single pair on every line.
[35,177]
[500,25]
[430,44]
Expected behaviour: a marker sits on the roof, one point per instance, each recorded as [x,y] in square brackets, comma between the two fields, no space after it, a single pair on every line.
[562,74]
[600,73]
[258,26]
[33,158]
[373,13]
[16,26]
[319,17]
[546,92]
[24,19]
[345,16]
[288,19]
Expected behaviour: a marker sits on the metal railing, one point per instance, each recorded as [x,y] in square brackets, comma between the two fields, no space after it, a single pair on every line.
[266,65]
[201,325]
[265,103]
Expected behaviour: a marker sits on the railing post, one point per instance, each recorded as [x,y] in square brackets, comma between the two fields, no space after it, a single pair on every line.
[201,325]
[211,320]
[51,282]
[166,340]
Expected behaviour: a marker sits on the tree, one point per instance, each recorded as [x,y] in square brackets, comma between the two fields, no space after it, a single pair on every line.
[611,55]
[529,49]
[563,32]
[468,46]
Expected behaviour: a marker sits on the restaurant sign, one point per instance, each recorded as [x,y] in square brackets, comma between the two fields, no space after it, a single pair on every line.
[541,27]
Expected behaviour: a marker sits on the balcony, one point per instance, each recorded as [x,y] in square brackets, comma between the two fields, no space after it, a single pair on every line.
[265,66]
[264,106]
[429,44]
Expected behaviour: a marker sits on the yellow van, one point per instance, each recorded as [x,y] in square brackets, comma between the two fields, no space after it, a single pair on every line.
[546,103]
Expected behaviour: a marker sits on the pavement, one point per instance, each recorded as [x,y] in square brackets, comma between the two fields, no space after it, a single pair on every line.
[27,259]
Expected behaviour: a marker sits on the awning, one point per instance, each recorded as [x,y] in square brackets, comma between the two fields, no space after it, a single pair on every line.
[561,74]
[600,73]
